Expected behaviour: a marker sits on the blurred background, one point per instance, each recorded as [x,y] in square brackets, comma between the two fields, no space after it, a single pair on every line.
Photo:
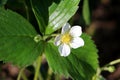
[104,27]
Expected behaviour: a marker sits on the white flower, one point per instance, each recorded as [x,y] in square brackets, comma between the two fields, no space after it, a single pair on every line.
[69,38]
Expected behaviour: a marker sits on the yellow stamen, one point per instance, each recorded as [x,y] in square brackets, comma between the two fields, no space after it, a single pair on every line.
[66,38]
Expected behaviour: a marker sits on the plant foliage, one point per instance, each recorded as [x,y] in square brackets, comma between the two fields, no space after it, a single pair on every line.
[80,65]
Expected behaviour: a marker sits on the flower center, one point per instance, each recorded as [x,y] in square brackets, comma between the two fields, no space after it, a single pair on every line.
[66,38]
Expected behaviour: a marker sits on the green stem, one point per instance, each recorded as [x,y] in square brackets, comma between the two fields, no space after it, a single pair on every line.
[20,74]
[49,35]
[110,64]
[114,62]
[97,74]
[37,68]
[27,10]
[24,77]
[105,68]
[49,74]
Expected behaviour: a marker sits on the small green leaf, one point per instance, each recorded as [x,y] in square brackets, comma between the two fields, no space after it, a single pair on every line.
[53,14]
[81,64]
[86,11]
[17,44]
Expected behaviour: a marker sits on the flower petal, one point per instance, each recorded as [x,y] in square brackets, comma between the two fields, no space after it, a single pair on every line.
[75,31]
[64,50]
[65,28]
[57,40]
[77,42]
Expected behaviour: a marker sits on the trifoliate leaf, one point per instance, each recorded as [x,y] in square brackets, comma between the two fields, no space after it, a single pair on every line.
[17,44]
[81,64]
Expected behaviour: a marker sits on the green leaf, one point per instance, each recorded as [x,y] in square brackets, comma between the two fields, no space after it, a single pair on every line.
[17,44]
[53,14]
[40,9]
[81,64]
[86,11]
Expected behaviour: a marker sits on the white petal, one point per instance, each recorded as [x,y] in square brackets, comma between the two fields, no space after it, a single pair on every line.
[77,42]
[76,31]
[64,50]
[65,28]
[57,40]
